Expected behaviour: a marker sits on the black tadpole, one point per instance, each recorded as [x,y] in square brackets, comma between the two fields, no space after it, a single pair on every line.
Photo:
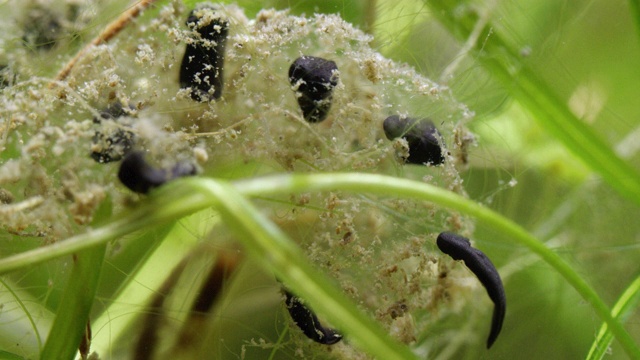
[203,61]
[421,135]
[315,79]
[308,322]
[136,174]
[459,248]
[112,143]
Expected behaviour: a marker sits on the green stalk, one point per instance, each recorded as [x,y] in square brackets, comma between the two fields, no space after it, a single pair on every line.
[72,315]
[263,239]
[172,245]
[28,316]
[502,60]
[154,212]
[277,252]
[623,308]
[5,355]
[379,184]
[634,6]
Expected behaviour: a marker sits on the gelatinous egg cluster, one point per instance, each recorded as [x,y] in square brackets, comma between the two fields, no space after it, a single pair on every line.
[235,97]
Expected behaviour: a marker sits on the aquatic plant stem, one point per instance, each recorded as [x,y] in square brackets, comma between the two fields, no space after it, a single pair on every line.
[185,196]
[502,60]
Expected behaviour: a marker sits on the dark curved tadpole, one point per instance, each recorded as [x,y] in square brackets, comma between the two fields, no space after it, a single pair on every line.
[421,135]
[308,322]
[136,174]
[203,61]
[315,78]
[459,248]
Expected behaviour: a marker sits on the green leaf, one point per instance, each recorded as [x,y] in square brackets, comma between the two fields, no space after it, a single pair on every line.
[169,244]
[269,245]
[22,314]
[621,311]
[5,355]
[502,61]
[186,196]
[73,314]
[634,6]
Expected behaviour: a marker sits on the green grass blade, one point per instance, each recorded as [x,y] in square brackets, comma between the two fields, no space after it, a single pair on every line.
[72,316]
[73,313]
[389,186]
[5,355]
[22,314]
[503,62]
[8,288]
[154,212]
[623,308]
[171,244]
[634,6]
[189,195]
[274,249]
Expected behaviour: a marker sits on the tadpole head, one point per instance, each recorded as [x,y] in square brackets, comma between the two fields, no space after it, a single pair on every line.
[208,24]
[422,136]
[396,126]
[139,176]
[314,79]
[136,174]
[317,76]
[453,245]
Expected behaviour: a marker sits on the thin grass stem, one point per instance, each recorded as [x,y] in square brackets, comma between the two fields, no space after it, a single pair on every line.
[272,248]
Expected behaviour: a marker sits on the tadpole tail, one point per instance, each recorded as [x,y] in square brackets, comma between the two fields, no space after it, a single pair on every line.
[499,311]
[489,277]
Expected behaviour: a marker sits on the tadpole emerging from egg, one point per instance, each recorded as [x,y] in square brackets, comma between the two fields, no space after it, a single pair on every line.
[422,136]
[202,66]
[314,79]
